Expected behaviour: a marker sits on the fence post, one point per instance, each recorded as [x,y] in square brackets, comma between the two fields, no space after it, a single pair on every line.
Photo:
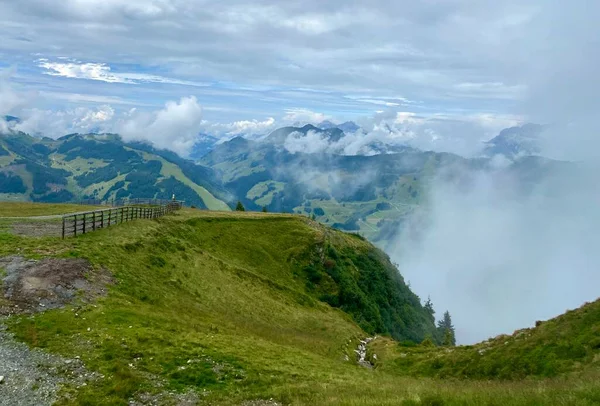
[93,221]
[109,215]
[75,226]
[102,219]
[63,228]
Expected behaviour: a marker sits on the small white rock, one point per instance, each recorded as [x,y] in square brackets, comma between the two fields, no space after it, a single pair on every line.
[1,379]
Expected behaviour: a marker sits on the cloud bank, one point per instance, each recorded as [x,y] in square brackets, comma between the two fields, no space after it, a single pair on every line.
[175,127]
[500,260]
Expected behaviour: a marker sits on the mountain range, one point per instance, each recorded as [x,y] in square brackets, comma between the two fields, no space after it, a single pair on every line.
[372,194]
[79,167]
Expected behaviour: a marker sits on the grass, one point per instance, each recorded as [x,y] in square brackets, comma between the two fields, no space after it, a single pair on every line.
[169,169]
[569,343]
[216,302]
[28,209]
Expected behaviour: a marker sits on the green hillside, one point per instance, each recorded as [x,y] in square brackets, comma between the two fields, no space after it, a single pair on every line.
[100,167]
[569,343]
[245,309]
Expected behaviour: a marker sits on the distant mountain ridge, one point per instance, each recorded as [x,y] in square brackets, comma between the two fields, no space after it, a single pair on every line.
[280,135]
[347,127]
[516,141]
[101,166]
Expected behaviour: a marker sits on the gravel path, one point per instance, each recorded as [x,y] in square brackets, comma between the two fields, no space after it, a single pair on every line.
[33,377]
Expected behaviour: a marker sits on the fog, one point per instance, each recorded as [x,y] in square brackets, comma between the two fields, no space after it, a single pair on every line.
[499,259]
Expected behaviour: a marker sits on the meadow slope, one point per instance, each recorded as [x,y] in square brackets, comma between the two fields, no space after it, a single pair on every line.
[236,307]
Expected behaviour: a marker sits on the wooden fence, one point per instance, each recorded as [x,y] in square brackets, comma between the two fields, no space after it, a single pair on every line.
[82,223]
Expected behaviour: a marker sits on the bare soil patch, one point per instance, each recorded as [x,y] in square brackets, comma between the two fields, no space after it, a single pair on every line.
[37,285]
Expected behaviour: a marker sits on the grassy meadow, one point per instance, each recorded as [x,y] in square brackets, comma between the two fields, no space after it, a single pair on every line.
[218,303]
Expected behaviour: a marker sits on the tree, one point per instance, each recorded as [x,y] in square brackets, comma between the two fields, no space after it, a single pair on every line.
[240,207]
[264,209]
[428,341]
[428,306]
[446,330]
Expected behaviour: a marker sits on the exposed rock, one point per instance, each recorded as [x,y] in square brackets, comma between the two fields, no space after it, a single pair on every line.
[361,353]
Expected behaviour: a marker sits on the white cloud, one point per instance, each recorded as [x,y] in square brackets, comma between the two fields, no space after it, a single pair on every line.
[175,127]
[309,143]
[463,134]
[102,72]
[250,126]
[300,115]
[11,100]
[56,123]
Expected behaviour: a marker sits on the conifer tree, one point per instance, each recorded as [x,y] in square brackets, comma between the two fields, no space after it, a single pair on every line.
[428,306]
[240,207]
[446,330]
[264,209]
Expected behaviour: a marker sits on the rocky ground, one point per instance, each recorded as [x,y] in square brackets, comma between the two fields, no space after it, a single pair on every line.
[33,377]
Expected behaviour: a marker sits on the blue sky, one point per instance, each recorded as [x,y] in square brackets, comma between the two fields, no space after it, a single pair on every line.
[255,65]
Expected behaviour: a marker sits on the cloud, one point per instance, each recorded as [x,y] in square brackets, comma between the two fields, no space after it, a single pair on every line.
[499,260]
[423,49]
[300,115]
[102,72]
[175,127]
[11,100]
[462,134]
[310,143]
[244,127]
[56,123]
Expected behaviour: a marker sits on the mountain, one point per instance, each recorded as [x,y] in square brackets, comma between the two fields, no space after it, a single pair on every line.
[369,194]
[204,144]
[280,135]
[12,119]
[347,127]
[515,141]
[104,167]
[373,195]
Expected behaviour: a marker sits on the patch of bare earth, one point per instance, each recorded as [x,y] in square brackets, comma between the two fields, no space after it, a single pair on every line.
[37,229]
[36,285]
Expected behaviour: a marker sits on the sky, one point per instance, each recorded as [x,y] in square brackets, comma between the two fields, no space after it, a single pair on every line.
[249,66]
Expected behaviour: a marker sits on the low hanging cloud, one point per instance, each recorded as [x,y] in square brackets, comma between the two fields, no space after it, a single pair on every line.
[175,127]
[499,259]
[56,123]
[498,253]
[390,131]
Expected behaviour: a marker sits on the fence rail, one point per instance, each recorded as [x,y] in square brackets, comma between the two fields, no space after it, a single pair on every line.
[82,223]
